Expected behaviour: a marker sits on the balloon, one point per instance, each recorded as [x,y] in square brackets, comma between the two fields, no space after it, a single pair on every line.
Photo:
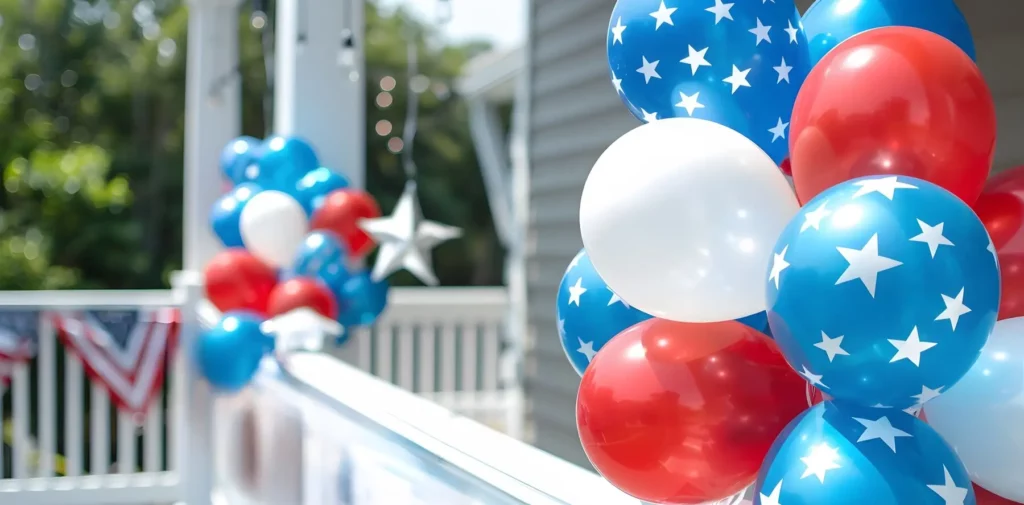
[988,498]
[840,454]
[237,157]
[284,161]
[311,190]
[742,64]
[930,117]
[340,213]
[1001,208]
[982,415]
[684,413]
[227,213]
[882,290]
[273,225]
[361,300]
[302,292]
[829,22]
[229,355]
[322,255]
[237,280]
[757,321]
[678,215]
[589,314]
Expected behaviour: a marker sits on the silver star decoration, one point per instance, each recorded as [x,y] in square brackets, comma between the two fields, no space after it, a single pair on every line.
[406,239]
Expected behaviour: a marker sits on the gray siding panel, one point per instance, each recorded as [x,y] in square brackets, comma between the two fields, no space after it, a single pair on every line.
[575,115]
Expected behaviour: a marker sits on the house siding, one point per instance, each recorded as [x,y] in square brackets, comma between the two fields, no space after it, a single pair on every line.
[574,114]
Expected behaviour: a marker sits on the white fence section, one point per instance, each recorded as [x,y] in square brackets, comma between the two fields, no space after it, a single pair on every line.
[66,444]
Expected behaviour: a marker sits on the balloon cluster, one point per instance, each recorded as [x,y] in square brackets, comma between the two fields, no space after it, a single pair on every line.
[291,229]
[735,328]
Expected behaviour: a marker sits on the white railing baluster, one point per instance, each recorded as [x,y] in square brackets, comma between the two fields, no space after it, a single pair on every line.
[46,390]
[428,358]
[491,351]
[152,437]
[99,430]
[362,339]
[125,442]
[73,380]
[177,424]
[470,358]
[448,362]
[406,352]
[22,446]
[384,340]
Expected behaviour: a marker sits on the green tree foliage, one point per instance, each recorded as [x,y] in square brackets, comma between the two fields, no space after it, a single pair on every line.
[91,141]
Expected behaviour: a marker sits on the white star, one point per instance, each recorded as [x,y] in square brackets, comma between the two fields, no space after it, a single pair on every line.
[406,240]
[615,299]
[815,380]
[761,31]
[954,309]
[695,59]
[649,116]
[649,69]
[832,346]
[783,71]
[813,218]
[779,264]
[766,1]
[927,394]
[586,349]
[738,78]
[911,348]
[865,264]
[663,16]
[772,499]
[575,260]
[931,235]
[617,31]
[885,185]
[880,406]
[576,291]
[880,429]
[821,459]
[949,491]
[779,131]
[617,83]
[792,32]
[914,411]
[721,11]
[992,249]
[561,327]
[689,102]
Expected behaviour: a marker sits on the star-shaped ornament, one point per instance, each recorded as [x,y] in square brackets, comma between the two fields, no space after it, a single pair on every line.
[406,239]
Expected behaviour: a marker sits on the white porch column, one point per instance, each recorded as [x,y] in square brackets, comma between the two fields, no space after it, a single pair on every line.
[212,117]
[318,96]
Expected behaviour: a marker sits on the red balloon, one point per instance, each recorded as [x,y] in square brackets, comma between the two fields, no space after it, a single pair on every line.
[302,292]
[1001,208]
[237,280]
[894,100]
[787,167]
[684,413]
[986,497]
[340,213]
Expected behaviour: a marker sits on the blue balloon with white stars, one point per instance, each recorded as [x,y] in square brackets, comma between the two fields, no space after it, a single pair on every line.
[313,187]
[843,454]
[323,256]
[589,314]
[283,162]
[829,22]
[237,157]
[883,290]
[739,64]
[227,213]
[361,300]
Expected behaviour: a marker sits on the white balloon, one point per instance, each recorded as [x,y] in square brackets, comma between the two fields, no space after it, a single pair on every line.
[273,225]
[982,416]
[679,217]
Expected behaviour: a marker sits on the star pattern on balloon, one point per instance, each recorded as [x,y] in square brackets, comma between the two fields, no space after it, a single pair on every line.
[406,239]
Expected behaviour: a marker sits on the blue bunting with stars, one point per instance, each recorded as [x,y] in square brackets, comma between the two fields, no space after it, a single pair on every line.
[737,63]
[589,313]
[883,291]
[841,454]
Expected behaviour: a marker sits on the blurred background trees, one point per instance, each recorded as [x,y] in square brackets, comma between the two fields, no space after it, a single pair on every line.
[91,140]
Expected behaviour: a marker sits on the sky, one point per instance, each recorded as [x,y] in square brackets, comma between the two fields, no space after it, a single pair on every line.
[500,21]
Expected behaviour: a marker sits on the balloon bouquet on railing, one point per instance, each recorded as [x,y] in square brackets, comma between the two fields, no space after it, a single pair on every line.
[296,235]
[733,328]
